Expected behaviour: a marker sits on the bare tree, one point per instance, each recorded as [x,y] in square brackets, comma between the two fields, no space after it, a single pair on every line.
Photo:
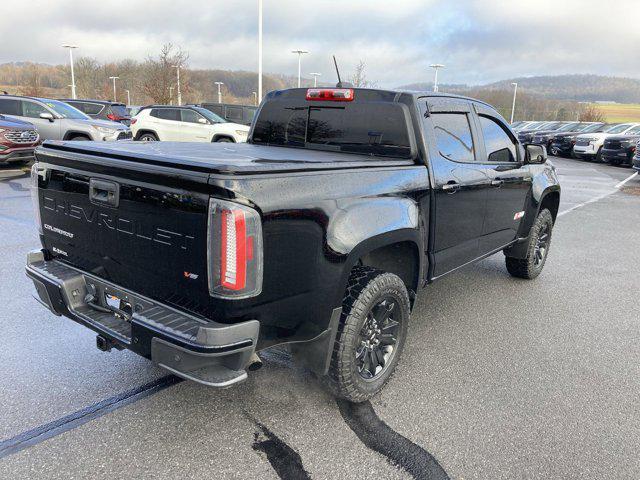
[159,73]
[89,81]
[32,85]
[591,113]
[359,77]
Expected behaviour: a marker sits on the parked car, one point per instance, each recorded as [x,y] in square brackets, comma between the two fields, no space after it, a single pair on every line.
[18,140]
[562,143]
[544,137]
[636,158]
[185,124]
[620,149]
[56,120]
[525,125]
[589,145]
[526,136]
[318,233]
[114,111]
[232,113]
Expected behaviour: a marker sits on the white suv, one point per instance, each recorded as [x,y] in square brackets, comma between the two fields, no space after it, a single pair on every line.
[589,145]
[185,124]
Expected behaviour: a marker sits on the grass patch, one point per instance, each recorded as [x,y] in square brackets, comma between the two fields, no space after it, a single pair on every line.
[620,112]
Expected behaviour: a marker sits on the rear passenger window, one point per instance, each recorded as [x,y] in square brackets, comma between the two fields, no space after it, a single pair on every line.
[32,110]
[453,136]
[500,147]
[10,107]
[91,108]
[166,113]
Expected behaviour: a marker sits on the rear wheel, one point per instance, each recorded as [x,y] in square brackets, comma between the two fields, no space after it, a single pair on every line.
[371,334]
[148,137]
[537,251]
[599,155]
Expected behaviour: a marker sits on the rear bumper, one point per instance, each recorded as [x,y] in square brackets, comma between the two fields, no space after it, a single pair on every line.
[618,154]
[206,352]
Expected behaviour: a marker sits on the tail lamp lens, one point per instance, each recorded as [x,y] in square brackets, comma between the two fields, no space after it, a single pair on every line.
[235,250]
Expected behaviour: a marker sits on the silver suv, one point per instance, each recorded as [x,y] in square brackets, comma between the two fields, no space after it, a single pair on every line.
[56,120]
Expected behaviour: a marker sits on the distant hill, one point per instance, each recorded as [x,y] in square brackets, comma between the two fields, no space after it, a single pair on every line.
[579,88]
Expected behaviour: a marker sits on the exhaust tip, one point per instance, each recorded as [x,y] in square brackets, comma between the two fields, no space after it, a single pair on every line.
[254,363]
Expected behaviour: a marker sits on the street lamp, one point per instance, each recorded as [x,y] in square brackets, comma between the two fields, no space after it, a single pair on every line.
[513,105]
[255,98]
[259,50]
[436,66]
[300,53]
[73,79]
[177,67]
[219,93]
[315,78]
[115,97]
[128,97]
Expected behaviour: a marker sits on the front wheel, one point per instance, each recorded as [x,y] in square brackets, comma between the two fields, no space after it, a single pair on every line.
[371,334]
[223,140]
[148,137]
[537,251]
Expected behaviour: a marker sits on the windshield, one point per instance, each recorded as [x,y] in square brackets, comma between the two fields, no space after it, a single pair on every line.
[376,129]
[209,115]
[65,110]
[570,127]
[620,128]
[589,127]
[544,126]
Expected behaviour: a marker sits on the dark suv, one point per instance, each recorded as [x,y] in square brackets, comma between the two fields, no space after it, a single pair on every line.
[116,112]
[620,149]
[18,140]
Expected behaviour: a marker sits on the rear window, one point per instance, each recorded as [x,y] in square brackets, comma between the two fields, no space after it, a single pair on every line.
[119,110]
[88,108]
[374,128]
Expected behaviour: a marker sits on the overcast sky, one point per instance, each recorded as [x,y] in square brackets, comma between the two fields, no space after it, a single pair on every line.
[479,41]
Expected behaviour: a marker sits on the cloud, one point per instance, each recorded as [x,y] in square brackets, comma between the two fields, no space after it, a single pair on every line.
[478,40]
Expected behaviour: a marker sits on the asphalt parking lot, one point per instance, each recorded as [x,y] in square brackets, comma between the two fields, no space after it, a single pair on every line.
[500,378]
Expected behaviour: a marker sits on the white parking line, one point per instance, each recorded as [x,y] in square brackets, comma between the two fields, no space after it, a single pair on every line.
[627,179]
[599,197]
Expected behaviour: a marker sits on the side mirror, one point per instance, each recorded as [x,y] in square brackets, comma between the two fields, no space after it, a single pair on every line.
[47,116]
[535,154]
[203,121]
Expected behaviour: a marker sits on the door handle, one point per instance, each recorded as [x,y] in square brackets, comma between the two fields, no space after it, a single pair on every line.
[496,183]
[451,187]
[104,193]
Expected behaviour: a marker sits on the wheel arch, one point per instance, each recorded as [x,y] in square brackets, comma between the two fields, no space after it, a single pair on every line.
[142,131]
[76,133]
[218,136]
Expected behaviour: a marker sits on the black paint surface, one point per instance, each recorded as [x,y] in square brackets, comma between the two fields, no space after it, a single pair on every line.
[378,436]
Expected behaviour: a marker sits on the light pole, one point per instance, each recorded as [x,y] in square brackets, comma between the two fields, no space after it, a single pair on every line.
[177,67]
[300,53]
[513,105]
[259,50]
[128,97]
[115,97]
[219,93]
[436,66]
[170,94]
[315,78]
[255,98]
[73,79]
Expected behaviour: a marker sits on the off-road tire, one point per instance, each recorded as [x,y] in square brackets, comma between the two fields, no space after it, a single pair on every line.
[365,288]
[527,267]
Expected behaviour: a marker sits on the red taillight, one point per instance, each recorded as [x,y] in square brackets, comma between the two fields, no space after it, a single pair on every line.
[235,250]
[330,94]
[112,117]
[133,120]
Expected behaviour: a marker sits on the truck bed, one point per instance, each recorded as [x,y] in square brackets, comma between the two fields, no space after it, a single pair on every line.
[241,158]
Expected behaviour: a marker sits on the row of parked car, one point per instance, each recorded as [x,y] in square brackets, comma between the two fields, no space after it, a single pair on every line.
[26,121]
[616,144]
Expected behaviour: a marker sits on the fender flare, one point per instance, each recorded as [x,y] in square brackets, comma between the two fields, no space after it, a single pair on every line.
[76,133]
[222,135]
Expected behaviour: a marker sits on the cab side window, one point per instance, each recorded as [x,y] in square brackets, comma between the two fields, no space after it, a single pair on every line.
[453,136]
[500,147]
[32,110]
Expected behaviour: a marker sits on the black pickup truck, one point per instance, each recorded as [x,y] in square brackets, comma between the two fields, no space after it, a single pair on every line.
[318,233]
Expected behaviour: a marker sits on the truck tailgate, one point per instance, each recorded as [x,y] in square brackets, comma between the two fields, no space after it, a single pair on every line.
[138,230]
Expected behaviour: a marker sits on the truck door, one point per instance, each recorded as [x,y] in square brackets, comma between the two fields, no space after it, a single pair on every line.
[510,180]
[460,184]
